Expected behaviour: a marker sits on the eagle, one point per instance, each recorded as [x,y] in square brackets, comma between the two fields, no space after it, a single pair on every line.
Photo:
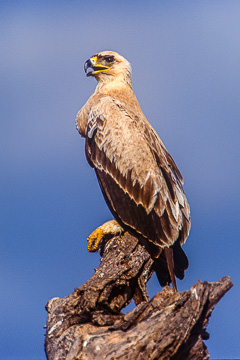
[140,181]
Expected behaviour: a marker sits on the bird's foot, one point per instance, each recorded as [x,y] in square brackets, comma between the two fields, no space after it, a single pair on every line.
[111,227]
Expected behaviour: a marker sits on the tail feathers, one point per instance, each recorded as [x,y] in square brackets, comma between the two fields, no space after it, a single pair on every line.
[174,261]
[161,270]
[180,260]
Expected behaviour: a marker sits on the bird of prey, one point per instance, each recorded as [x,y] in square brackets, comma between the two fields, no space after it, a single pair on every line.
[140,181]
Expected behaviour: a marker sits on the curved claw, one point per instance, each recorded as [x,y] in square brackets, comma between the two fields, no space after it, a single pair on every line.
[111,227]
[94,239]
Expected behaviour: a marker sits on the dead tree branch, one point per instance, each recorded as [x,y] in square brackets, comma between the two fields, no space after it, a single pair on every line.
[88,324]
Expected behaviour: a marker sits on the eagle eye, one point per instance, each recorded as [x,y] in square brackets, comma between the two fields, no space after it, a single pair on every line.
[109,59]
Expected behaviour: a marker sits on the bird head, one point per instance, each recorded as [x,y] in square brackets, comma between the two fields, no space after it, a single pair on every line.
[107,65]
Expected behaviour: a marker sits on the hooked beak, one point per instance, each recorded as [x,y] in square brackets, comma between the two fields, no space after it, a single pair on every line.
[96,68]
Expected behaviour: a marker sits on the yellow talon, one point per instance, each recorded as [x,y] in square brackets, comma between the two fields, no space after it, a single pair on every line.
[94,239]
[111,227]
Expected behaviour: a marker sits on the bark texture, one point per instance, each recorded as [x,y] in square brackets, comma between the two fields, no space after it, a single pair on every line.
[88,324]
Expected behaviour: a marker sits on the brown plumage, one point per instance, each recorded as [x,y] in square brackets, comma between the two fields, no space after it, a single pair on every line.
[139,179]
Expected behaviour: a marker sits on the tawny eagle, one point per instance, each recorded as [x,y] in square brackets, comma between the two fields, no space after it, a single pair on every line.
[139,179]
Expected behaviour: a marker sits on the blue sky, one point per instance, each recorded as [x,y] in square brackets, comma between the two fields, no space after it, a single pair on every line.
[186,64]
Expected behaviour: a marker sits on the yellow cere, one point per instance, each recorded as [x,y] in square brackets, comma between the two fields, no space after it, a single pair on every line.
[94,60]
[99,66]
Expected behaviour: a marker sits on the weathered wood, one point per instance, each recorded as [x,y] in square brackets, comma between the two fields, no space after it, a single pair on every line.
[88,324]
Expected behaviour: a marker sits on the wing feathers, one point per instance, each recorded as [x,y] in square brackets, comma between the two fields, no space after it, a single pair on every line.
[140,181]
[129,213]
[171,232]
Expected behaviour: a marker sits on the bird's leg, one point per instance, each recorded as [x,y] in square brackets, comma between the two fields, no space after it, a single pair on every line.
[170,264]
[111,227]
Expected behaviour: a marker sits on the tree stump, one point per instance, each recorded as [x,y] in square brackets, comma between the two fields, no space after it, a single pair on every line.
[88,324]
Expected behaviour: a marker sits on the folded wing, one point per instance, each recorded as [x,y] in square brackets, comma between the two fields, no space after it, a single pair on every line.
[140,181]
